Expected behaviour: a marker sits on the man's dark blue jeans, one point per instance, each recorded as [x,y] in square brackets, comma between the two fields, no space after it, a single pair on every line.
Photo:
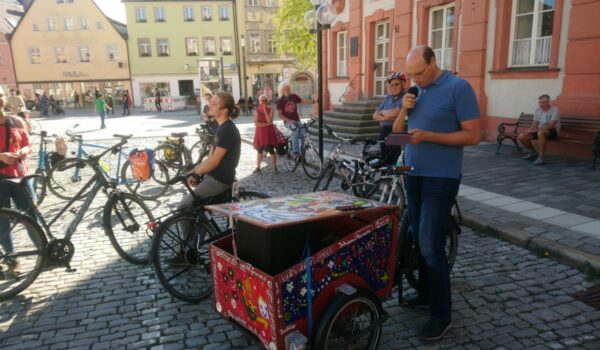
[430,202]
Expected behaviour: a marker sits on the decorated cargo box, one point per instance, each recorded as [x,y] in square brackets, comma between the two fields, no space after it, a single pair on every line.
[355,247]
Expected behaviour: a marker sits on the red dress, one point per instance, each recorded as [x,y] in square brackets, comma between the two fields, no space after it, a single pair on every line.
[265,139]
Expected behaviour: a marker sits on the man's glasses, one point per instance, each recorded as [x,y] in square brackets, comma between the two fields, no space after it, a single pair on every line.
[414,75]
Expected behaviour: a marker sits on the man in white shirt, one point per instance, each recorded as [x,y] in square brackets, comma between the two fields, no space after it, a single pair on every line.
[545,126]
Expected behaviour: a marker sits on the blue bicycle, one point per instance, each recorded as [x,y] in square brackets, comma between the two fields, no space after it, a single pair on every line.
[67,187]
[45,159]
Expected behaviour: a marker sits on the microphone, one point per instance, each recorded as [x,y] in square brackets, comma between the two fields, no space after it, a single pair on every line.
[415,91]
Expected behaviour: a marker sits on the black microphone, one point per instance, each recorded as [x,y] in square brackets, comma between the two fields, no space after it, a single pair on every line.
[415,91]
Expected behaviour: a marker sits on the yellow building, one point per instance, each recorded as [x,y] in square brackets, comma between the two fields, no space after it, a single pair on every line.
[262,65]
[64,46]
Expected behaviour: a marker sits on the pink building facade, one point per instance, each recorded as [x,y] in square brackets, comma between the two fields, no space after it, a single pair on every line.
[10,12]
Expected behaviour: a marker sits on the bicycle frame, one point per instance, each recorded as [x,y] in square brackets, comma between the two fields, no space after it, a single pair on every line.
[82,153]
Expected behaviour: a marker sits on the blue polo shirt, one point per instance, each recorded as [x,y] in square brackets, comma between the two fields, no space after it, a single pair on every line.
[440,107]
[390,102]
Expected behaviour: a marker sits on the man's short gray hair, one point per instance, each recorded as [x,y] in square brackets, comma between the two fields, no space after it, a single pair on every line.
[282,85]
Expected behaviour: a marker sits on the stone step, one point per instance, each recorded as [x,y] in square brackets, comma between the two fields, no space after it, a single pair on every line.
[349,116]
[333,120]
[364,102]
[355,109]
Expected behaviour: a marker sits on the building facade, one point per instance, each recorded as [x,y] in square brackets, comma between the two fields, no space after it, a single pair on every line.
[182,47]
[511,51]
[64,46]
[10,13]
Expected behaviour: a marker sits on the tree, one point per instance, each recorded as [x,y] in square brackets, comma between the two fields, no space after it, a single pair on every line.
[291,35]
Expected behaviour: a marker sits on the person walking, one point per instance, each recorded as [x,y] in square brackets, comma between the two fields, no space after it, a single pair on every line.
[110,103]
[287,107]
[443,119]
[265,139]
[101,106]
[157,101]
[126,102]
[76,103]
[44,103]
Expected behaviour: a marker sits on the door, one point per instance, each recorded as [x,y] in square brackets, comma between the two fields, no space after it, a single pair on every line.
[382,49]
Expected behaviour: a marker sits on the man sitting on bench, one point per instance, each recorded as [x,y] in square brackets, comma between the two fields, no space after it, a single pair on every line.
[545,126]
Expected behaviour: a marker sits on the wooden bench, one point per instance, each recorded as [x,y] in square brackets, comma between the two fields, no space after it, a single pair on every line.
[577,130]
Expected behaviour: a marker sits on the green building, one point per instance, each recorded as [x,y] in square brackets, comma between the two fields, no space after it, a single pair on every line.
[181,48]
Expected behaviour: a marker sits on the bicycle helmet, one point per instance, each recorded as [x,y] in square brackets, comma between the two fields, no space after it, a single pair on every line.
[396,75]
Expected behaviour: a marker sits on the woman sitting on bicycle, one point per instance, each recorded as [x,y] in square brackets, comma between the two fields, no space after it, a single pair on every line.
[14,148]
[265,140]
[219,168]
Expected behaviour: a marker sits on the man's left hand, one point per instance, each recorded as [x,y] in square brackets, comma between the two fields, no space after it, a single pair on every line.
[417,136]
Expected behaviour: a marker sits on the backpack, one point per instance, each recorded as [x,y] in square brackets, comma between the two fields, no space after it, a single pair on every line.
[142,163]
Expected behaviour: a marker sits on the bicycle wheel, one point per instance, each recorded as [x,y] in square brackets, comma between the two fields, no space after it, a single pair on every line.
[251,195]
[67,177]
[350,322]
[199,152]
[171,157]
[311,162]
[291,162]
[180,257]
[409,254]
[384,191]
[125,220]
[325,178]
[21,266]
[39,186]
[154,187]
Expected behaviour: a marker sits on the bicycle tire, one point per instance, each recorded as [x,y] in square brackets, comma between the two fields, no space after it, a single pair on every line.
[381,190]
[127,227]
[180,257]
[172,158]
[291,162]
[29,239]
[407,249]
[198,152]
[62,181]
[150,189]
[345,316]
[327,175]
[250,195]
[311,162]
[39,186]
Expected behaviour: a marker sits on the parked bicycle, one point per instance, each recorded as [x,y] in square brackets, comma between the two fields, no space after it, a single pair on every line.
[308,157]
[181,239]
[125,220]
[45,159]
[68,186]
[177,157]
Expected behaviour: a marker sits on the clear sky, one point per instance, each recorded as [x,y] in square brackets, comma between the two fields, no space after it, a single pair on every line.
[113,9]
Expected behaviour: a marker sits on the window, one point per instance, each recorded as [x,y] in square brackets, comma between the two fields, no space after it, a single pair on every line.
[99,25]
[34,55]
[60,54]
[188,14]
[271,43]
[253,3]
[140,14]
[51,24]
[441,34]
[83,54]
[531,33]
[342,62]
[254,42]
[206,13]
[272,3]
[35,27]
[84,23]
[64,1]
[226,46]
[68,24]
[191,46]
[162,47]
[159,14]
[112,51]
[144,47]
[224,13]
[210,46]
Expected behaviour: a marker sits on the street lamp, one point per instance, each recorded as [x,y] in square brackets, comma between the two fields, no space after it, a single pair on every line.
[316,21]
[243,70]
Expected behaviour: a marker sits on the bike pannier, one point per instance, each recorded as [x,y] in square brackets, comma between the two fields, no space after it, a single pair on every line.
[142,163]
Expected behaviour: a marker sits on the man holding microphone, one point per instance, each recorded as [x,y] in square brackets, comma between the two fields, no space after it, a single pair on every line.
[443,119]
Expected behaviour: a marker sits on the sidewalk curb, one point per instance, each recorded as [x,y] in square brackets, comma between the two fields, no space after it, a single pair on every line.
[559,252]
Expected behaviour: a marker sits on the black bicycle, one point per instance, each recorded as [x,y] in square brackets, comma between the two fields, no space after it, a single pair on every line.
[308,157]
[180,254]
[126,221]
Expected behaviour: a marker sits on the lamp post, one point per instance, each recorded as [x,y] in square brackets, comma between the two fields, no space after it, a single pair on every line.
[243,70]
[316,21]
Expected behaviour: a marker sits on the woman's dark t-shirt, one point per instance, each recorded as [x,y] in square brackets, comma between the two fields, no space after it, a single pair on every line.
[228,137]
[289,106]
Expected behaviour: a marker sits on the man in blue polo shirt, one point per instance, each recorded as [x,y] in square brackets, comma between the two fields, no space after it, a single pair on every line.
[387,112]
[441,120]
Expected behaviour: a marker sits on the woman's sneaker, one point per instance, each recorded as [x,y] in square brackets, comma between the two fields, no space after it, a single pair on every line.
[531,155]
[434,329]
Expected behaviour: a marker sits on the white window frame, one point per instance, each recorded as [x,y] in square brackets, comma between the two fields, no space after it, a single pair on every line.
[159,14]
[189,14]
[444,55]
[84,23]
[547,40]
[144,47]
[56,53]
[140,15]
[224,9]
[189,52]
[254,41]
[253,2]
[51,24]
[272,3]
[162,48]
[112,53]
[83,51]
[206,10]
[223,40]
[342,54]
[69,24]
[205,41]
[35,52]
[271,44]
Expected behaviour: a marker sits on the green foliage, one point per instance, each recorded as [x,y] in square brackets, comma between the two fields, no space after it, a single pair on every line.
[290,34]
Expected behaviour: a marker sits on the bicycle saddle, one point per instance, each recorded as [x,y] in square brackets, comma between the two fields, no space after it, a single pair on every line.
[126,137]
[20,181]
[179,134]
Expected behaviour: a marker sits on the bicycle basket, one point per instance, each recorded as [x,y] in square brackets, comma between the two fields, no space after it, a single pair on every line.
[170,154]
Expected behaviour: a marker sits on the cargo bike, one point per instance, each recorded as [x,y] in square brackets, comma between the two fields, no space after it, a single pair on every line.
[306,271]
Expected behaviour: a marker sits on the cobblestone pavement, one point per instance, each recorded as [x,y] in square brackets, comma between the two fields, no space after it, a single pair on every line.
[504,297]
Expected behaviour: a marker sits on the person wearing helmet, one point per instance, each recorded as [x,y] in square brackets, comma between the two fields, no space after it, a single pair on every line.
[387,112]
